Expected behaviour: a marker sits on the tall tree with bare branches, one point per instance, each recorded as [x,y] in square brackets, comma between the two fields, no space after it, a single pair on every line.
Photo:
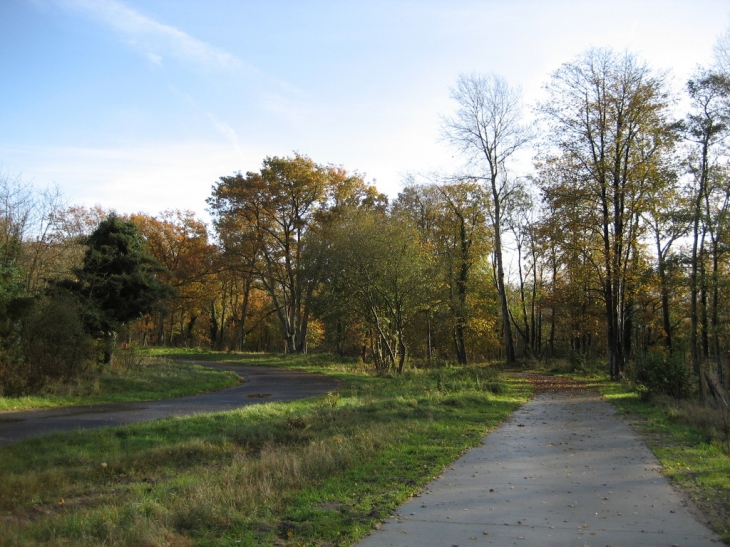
[487,128]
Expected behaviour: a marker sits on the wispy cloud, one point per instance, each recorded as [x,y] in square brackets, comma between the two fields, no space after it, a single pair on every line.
[155,40]
[228,132]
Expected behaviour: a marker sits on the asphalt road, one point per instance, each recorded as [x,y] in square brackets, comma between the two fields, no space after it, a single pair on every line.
[261,384]
[563,471]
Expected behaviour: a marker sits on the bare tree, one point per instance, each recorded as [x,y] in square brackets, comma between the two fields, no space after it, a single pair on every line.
[722,52]
[488,129]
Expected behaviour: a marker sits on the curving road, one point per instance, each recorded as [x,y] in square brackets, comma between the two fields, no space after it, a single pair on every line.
[261,384]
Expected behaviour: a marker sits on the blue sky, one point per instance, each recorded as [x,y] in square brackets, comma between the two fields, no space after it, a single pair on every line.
[141,105]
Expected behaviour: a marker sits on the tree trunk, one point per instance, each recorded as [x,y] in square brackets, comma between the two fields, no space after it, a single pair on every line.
[161,328]
[715,317]
[501,289]
[461,289]
[460,344]
[241,332]
[110,342]
[429,347]
[615,355]
[664,290]
[190,327]
[526,333]
[694,277]
[213,327]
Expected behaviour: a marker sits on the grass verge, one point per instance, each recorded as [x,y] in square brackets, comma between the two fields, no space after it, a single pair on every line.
[149,378]
[321,471]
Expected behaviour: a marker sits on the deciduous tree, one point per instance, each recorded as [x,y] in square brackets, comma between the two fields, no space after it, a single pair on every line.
[452,221]
[609,123]
[706,128]
[267,218]
[488,128]
[375,262]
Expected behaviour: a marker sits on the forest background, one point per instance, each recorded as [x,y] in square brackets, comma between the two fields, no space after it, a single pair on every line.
[610,248]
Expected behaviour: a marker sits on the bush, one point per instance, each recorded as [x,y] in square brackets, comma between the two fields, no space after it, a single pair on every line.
[55,344]
[13,379]
[658,373]
[130,359]
[577,362]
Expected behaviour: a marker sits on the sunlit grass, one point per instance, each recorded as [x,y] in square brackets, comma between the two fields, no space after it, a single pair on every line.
[321,471]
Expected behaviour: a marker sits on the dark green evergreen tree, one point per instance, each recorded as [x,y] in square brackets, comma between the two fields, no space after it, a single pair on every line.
[118,281]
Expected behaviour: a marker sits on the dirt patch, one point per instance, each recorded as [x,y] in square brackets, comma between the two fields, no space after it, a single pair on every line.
[328,506]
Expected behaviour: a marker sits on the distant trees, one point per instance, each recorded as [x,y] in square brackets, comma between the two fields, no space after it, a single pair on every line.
[179,242]
[614,245]
[706,127]
[722,53]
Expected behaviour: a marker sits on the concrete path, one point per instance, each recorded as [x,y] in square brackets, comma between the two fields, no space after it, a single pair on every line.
[261,384]
[564,471]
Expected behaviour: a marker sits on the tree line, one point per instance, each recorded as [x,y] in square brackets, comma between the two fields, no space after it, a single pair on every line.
[611,244]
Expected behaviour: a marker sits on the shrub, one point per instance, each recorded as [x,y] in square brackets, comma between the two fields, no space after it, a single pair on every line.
[54,343]
[658,373]
[12,371]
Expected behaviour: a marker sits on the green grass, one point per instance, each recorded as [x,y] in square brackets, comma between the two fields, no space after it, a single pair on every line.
[321,472]
[157,379]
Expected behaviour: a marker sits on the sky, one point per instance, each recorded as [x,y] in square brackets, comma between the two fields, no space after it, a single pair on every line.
[141,105]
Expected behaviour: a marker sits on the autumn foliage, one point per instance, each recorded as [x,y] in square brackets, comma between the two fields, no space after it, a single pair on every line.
[610,249]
